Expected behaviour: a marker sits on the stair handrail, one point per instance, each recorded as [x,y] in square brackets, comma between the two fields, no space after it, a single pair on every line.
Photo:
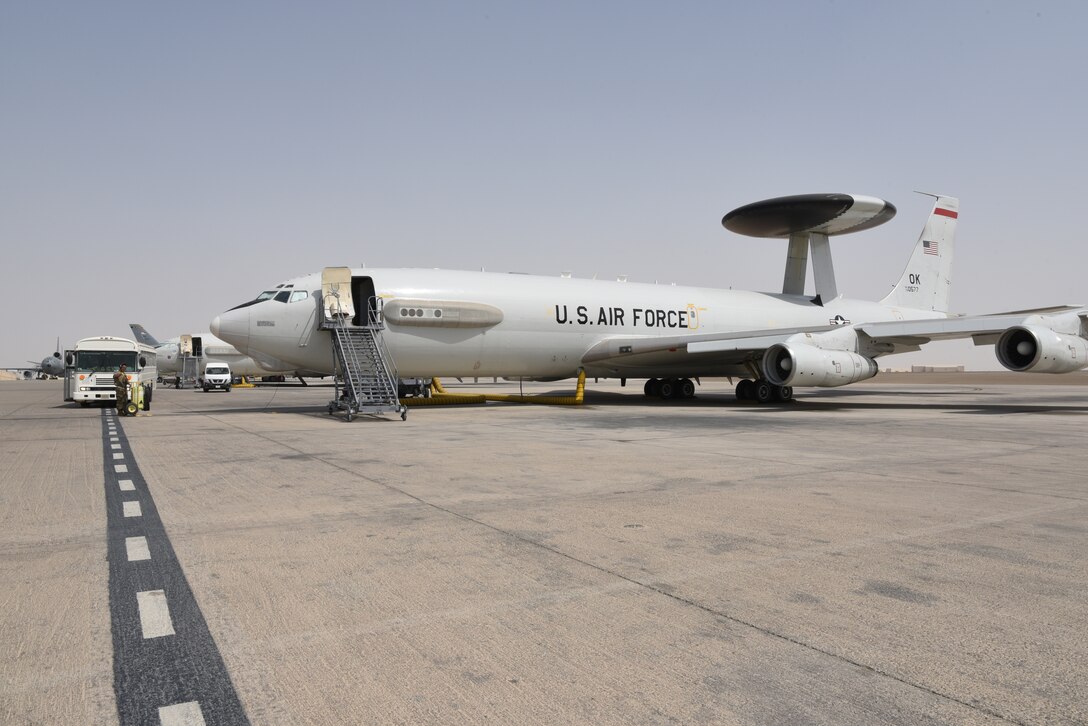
[376,311]
[376,308]
[348,351]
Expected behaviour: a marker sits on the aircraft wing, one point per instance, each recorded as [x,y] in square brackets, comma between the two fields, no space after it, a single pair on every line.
[747,341]
[983,329]
[895,336]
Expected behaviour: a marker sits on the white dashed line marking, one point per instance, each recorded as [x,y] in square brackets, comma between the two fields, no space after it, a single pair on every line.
[145,672]
[118,455]
[181,714]
[154,614]
[115,446]
[136,547]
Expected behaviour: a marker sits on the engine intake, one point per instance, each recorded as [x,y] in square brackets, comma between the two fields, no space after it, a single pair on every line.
[1041,350]
[798,364]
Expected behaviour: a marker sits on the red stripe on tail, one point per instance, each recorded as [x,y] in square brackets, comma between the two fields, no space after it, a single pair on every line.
[946,213]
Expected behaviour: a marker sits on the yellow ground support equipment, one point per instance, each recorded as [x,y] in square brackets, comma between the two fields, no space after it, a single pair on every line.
[441,397]
[137,398]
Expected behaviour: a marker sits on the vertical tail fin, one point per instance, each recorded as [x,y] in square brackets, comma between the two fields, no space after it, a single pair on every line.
[927,282]
[142,336]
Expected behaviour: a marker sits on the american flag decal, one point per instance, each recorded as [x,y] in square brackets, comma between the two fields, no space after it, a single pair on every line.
[930,248]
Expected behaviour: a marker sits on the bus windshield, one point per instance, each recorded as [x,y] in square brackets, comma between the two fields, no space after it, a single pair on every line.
[104,360]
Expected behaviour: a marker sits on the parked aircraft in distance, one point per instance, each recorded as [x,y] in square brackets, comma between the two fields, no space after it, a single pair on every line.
[52,366]
[206,347]
[450,323]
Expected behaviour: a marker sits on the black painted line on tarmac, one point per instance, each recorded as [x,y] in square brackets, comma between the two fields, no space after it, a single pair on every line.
[154,672]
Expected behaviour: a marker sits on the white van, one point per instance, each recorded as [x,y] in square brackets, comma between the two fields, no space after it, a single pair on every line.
[217,375]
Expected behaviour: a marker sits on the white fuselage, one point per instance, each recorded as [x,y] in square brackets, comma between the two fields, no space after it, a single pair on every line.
[547,324]
[214,349]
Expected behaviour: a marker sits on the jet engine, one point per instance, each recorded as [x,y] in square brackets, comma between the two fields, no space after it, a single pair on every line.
[1041,350]
[799,364]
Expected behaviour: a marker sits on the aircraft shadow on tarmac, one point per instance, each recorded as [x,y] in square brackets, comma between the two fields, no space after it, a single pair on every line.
[825,402]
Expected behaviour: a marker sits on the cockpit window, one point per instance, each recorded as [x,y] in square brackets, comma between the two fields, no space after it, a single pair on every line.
[298,295]
[282,297]
[266,295]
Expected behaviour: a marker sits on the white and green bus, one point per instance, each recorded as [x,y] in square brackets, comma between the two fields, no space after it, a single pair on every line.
[90,365]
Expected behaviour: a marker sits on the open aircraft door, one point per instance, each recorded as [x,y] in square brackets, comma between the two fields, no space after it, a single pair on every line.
[362,291]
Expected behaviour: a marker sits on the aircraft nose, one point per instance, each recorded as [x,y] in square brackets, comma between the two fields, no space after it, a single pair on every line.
[233,327]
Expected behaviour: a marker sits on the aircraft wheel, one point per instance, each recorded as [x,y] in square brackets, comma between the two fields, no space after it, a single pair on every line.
[783,393]
[763,391]
[686,388]
[746,390]
[666,388]
[648,389]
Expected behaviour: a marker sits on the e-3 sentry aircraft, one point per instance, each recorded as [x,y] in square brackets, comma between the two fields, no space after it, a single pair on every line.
[455,323]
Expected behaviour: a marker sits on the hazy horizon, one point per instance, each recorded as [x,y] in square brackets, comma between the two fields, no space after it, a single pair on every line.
[161,164]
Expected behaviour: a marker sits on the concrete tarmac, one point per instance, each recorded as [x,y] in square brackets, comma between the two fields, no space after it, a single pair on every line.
[908,550]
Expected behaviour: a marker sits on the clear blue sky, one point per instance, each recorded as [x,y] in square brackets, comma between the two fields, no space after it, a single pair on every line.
[162,162]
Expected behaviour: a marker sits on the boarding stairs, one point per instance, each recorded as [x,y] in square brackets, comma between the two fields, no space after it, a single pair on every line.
[366,380]
[188,371]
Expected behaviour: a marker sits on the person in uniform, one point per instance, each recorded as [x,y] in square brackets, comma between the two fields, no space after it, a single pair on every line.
[120,385]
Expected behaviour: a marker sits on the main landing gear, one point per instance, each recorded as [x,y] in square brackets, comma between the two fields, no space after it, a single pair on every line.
[666,388]
[763,391]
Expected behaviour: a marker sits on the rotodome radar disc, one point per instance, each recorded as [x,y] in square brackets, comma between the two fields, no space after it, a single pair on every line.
[828,214]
